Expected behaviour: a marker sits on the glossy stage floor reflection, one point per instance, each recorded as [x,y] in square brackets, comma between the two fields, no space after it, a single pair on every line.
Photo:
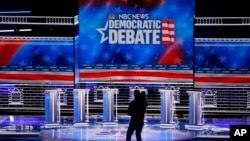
[100,133]
[25,127]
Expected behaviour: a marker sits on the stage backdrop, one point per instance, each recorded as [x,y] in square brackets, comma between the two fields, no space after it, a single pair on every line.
[222,62]
[38,48]
[221,44]
[145,41]
[37,60]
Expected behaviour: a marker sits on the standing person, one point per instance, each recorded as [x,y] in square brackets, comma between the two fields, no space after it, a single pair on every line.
[136,110]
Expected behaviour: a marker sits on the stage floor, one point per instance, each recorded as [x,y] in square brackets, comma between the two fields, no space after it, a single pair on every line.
[32,128]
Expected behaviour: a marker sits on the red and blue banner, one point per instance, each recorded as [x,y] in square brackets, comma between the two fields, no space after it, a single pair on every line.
[147,41]
[221,62]
[36,60]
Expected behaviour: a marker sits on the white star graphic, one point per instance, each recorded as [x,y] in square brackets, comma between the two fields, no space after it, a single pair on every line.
[102,30]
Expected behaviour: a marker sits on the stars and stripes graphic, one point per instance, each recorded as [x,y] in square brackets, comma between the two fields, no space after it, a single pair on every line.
[172,55]
[8,49]
[57,58]
[36,60]
[221,62]
[167,32]
[173,49]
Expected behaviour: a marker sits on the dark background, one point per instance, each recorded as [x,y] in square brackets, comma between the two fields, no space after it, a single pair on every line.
[222,8]
[203,8]
[58,8]
[42,7]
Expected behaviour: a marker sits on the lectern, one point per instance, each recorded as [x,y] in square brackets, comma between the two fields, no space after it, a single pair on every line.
[168,102]
[108,106]
[81,98]
[52,107]
[198,100]
[195,110]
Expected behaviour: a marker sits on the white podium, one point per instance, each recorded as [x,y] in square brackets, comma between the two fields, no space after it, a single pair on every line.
[168,102]
[81,109]
[197,101]
[52,108]
[108,106]
[195,110]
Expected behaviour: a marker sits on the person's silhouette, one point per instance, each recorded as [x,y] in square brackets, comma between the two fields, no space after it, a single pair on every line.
[143,98]
[136,110]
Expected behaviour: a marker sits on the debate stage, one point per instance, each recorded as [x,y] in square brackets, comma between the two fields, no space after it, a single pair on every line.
[32,128]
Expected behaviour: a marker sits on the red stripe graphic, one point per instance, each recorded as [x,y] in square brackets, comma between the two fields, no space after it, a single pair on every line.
[38,77]
[133,76]
[222,79]
[7,50]
[172,54]
[133,73]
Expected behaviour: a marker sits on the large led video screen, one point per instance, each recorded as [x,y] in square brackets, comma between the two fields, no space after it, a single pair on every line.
[222,62]
[37,60]
[136,41]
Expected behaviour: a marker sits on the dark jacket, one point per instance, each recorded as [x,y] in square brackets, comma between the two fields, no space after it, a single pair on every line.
[137,108]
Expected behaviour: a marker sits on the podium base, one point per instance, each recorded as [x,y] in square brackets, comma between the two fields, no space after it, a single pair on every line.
[194,127]
[81,124]
[109,124]
[168,125]
[52,125]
